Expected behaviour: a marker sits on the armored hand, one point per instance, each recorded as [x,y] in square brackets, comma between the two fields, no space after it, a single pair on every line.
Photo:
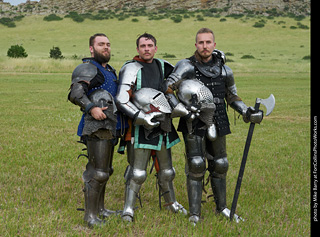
[178,108]
[252,116]
[249,114]
[144,119]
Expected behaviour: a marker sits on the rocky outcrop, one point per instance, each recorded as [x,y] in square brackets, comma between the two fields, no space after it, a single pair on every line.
[266,7]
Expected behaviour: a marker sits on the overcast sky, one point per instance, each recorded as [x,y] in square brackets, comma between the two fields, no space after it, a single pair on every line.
[16,2]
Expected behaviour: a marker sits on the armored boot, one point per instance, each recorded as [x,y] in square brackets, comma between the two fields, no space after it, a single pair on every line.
[194,188]
[167,191]
[130,200]
[218,186]
[91,197]
[103,212]
[135,178]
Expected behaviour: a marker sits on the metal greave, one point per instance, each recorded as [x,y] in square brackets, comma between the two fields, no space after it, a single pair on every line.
[96,175]
[219,189]
[165,177]
[91,197]
[194,188]
[195,170]
[135,176]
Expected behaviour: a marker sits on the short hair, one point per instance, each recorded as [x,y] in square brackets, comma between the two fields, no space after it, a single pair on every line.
[205,30]
[92,38]
[148,36]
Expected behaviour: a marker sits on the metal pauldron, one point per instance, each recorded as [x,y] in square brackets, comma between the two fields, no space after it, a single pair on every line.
[84,72]
[183,69]
[127,78]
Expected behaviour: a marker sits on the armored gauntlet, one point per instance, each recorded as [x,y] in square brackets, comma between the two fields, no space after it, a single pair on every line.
[248,113]
[146,119]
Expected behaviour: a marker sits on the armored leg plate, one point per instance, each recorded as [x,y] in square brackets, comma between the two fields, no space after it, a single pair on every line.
[218,186]
[91,196]
[194,188]
[103,212]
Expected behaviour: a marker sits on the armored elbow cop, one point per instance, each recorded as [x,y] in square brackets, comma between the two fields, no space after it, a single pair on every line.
[78,96]
[83,73]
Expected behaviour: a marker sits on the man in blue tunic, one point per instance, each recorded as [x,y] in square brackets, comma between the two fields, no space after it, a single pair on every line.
[92,88]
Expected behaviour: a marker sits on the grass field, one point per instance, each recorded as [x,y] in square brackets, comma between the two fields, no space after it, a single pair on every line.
[41,185]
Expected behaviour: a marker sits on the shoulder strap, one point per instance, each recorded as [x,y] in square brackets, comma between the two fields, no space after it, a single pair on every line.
[162,64]
[139,79]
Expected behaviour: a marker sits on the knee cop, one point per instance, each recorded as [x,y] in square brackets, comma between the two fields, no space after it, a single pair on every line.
[166,175]
[137,178]
[195,161]
[196,167]
[218,167]
[98,175]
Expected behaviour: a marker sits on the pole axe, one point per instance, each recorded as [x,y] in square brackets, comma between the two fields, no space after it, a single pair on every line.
[269,103]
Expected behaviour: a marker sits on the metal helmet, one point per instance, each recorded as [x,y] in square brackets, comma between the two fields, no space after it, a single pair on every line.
[150,100]
[102,98]
[193,92]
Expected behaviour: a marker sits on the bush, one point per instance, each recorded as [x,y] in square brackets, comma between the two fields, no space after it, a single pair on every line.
[176,19]
[247,57]
[302,26]
[17,51]
[200,18]
[55,53]
[258,24]
[75,17]
[7,22]
[307,57]
[52,17]
[167,55]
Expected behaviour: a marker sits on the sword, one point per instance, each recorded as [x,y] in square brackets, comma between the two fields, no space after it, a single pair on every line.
[269,103]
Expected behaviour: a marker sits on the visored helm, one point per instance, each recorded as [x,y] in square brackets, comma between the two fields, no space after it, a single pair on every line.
[193,92]
[150,100]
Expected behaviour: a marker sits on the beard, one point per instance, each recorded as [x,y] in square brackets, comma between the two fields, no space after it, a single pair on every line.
[201,57]
[101,58]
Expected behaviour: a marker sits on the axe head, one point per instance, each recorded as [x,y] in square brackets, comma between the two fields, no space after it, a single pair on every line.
[269,103]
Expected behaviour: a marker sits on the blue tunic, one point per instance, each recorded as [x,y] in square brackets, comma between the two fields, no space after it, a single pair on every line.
[110,84]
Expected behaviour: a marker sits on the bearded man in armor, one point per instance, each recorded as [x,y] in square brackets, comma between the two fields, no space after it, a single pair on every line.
[205,141]
[147,132]
[93,88]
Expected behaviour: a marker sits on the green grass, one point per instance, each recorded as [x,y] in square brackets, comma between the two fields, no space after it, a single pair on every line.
[41,185]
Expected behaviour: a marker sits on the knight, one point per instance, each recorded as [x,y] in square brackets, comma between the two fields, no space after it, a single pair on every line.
[150,130]
[205,139]
[93,88]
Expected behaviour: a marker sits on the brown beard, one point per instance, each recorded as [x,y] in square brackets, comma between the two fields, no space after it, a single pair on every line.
[198,57]
[100,58]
